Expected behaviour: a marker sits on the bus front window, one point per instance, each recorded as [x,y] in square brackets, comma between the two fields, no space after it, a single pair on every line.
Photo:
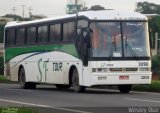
[106,39]
[119,39]
[135,35]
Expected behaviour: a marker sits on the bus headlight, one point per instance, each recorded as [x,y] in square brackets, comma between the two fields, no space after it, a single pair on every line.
[94,69]
[100,70]
[144,69]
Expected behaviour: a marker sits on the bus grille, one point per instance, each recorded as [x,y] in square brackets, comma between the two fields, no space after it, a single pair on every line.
[122,69]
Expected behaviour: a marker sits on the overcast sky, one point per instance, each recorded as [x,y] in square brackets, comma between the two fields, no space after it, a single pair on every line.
[58,7]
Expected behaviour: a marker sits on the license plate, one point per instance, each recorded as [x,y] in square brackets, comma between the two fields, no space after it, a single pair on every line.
[123,77]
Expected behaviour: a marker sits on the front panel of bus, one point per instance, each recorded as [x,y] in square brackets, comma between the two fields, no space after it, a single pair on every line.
[119,53]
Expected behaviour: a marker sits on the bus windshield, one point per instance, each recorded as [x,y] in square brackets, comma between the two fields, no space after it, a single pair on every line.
[120,39]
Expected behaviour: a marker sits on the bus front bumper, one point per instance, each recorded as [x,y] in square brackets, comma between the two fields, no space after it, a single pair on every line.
[120,78]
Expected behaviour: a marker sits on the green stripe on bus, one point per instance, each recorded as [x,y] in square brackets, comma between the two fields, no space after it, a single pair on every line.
[10,53]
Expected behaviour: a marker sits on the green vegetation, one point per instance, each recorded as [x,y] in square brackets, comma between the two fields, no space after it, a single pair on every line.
[17,110]
[97,7]
[154,25]
[154,22]
[15,17]
[1,65]
[3,78]
[1,32]
[153,87]
[148,8]
[26,110]
[156,64]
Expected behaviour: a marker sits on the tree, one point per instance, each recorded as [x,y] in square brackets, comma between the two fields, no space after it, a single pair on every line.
[15,17]
[154,24]
[148,8]
[1,32]
[35,17]
[97,7]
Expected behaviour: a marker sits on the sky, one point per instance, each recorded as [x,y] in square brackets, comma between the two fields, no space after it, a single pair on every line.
[51,8]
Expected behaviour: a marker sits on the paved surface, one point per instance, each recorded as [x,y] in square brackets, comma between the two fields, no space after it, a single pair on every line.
[67,101]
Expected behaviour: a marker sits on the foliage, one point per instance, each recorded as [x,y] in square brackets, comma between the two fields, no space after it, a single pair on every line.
[26,110]
[154,24]
[97,7]
[153,87]
[1,65]
[1,32]
[19,18]
[3,78]
[18,110]
[148,8]
[34,17]
[15,17]
[156,64]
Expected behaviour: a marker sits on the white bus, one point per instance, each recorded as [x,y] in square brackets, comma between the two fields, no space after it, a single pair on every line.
[81,50]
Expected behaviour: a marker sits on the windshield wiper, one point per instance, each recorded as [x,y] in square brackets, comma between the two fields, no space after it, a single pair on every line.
[129,47]
[114,43]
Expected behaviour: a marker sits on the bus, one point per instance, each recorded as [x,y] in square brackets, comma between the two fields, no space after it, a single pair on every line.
[91,48]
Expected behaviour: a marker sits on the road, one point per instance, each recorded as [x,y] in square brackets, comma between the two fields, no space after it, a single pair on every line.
[67,101]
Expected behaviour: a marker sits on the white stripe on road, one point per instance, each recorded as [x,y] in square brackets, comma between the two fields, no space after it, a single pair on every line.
[153,101]
[38,105]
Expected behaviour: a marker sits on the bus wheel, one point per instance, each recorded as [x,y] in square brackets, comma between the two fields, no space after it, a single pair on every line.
[62,86]
[22,81]
[75,82]
[125,88]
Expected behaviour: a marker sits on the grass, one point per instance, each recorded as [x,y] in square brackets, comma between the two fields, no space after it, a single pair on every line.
[26,110]
[153,87]
[17,110]
[3,78]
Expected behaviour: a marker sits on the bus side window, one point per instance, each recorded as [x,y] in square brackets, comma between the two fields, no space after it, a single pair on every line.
[20,37]
[68,31]
[55,33]
[10,37]
[42,34]
[31,35]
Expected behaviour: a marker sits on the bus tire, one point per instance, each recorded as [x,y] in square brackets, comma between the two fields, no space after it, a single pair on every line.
[125,88]
[22,81]
[75,82]
[62,86]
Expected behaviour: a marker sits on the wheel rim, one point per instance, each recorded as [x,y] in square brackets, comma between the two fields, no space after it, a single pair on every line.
[75,79]
[22,78]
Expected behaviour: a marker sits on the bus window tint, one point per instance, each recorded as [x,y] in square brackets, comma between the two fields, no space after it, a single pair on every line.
[10,37]
[68,31]
[42,34]
[55,33]
[20,39]
[31,35]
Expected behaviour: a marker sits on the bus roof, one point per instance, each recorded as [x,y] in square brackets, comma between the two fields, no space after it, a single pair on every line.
[92,15]
[113,15]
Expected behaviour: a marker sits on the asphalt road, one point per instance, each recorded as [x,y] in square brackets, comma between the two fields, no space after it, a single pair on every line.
[67,101]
